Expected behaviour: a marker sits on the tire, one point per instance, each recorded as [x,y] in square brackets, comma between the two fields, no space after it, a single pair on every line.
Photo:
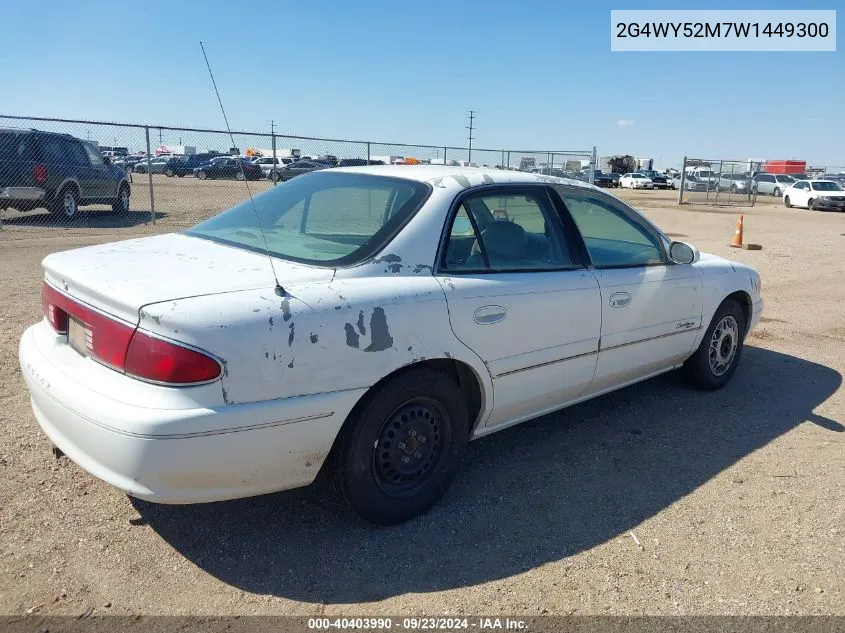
[733,189]
[239,175]
[275,177]
[711,369]
[776,192]
[169,173]
[121,205]
[811,204]
[787,203]
[374,446]
[66,203]
[202,175]
[181,175]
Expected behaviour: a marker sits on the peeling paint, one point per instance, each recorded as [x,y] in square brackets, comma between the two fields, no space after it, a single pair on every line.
[290,336]
[313,338]
[351,335]
[338,307]
[256,310]
[225,395]
[266,354]
[421,267]
[360,323]
[380,338]
[463,181]
[487,179]
[285,309]
[410,348]
[438,182]
[290,365]
[271,323]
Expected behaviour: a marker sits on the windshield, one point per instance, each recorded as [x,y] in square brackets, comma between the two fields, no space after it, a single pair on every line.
[321,218]
[784,178]
[822,185]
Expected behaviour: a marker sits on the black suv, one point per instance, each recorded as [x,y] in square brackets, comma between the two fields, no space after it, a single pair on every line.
[57,172]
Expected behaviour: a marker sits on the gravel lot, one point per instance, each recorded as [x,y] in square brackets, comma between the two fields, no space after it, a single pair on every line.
[737,498]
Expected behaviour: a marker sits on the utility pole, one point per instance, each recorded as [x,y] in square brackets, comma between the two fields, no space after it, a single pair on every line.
[470,127]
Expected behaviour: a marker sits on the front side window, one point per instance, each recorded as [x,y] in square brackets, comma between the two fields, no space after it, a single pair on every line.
[324,218]
[497,232]
[615,237]
[94,154]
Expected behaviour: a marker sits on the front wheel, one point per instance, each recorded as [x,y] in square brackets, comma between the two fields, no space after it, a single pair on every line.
[716,358]
[202,175]
[787,203]
[397,454]
[733,189]
[121,205]
[239,175]
[169,173]
[776,192]
[811,204]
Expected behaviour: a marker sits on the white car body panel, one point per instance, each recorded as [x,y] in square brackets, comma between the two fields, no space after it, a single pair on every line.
[297,361]
[801,197]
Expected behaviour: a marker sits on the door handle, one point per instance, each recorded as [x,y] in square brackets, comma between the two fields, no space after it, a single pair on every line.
[487,315]
[619,299]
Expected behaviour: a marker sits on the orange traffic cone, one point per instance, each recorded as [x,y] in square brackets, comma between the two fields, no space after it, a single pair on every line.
[736,242]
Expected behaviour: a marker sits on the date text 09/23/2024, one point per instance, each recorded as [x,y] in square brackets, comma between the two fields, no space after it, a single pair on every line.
[418,624]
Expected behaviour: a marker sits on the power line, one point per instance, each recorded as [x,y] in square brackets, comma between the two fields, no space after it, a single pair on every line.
[470,138]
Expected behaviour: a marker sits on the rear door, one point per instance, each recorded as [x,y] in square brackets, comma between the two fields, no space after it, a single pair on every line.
[78,166]
[520,296]
[651,308]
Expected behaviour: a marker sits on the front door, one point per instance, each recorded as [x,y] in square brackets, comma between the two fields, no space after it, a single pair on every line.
[103,182]
[651,308]
[521,298]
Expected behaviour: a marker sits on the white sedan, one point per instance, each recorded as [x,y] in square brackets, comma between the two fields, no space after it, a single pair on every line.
[636,181]
[818,195]
[369,321]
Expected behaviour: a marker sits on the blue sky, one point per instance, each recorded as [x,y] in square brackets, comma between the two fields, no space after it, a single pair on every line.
[540,75]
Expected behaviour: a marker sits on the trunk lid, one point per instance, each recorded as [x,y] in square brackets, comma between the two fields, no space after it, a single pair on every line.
[121,277]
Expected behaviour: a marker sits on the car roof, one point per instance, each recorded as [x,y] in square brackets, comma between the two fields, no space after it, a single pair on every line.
[445,176]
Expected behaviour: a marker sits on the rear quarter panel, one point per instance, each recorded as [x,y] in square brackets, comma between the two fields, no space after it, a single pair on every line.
[318,338]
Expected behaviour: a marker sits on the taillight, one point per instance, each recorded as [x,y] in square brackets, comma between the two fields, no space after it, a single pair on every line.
[125,348]
[157,360]
[40,174]
[55,315]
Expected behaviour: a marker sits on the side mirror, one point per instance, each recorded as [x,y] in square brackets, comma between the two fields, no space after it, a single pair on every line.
[683,253]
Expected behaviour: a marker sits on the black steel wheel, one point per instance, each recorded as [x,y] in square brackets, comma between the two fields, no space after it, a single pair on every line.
[399,450]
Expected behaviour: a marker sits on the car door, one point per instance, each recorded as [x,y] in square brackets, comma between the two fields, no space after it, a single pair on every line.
[800,194]
[104,183]
[651,308]
[519,295]
[81,168]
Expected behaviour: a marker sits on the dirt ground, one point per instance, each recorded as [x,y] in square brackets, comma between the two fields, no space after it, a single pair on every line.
[736,498]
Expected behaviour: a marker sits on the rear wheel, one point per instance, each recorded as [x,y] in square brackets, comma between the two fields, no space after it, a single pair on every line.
[716,358]
[169,173]
[66,203]
[239,175]
[733,189]
[275,176]
[399,452]
[787,203]
[202,175]
[776,192]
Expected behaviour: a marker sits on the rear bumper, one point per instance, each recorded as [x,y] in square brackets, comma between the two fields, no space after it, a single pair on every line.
[220,452]
[30,194]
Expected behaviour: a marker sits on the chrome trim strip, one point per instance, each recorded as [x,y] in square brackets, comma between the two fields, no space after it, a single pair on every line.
[651,338]
[551,362]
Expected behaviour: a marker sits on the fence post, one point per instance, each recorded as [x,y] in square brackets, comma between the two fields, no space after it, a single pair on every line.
[444,155]
[683,181]
[593,165]
[273,179]
[368,152]
[509,159]
[503,159]
[150,177]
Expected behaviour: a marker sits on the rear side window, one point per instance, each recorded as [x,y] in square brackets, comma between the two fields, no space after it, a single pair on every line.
[15,146]
[55,150]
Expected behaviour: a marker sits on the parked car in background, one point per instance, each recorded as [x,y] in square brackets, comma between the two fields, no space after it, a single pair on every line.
[659,180]
[691,183]
[153,166]
[127,163]
[269,375]
[817,195]
[183,165]
[57,172]
[772,184]
[734,182]
[266,163]
[358,162]
[615,178]
[296,169]
[600,179]
[636,180]
[705,175]
[228,167]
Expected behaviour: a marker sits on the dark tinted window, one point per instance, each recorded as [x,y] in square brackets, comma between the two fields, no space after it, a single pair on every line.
[73,150]
[55,150]
[324,218]
[16,146]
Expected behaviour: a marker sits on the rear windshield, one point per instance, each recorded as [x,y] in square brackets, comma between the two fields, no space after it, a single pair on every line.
[320,218]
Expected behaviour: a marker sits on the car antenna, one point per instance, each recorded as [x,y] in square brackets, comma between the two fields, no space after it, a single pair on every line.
[279,289]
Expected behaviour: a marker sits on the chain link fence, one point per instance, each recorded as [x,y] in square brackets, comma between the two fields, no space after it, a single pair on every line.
[717,182]
[88,175]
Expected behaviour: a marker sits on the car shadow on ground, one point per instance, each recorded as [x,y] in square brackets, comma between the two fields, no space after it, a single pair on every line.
[84,218]
[526,496]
